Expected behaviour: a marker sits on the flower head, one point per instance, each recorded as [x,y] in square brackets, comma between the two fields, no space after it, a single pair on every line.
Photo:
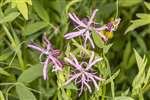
[51,55]
[84,28]
[83,73]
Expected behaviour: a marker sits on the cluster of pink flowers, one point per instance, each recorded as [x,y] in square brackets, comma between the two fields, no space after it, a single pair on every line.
[82,72]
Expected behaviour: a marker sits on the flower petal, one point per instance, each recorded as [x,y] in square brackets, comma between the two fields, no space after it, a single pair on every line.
[89,88]
[91,58]
[78,67]
[76,19]
[92,17]
[94,62]
[74,34]
[72,78]
[91,42]
[35,47]
[101,28]
[45,69]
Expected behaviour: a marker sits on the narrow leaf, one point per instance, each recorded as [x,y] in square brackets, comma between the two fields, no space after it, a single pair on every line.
[123,98]
[40,10]
[35,27]
[138,23]
[129,3]
[10,17]
[147,4]
[22,7]
[143,15]
[1,96]
[3,72]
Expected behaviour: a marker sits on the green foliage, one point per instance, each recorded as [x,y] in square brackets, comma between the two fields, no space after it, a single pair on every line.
[123,98]
[129,3]
[29,29]
[1,96]
[22,6]
[10,17]
[24,93]
[31,74]
[141,76]
[126,73]
[144,20]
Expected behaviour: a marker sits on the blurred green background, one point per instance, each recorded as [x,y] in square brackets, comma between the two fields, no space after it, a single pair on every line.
[25,21]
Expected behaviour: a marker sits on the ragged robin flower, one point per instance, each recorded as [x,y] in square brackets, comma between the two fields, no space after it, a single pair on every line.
[84,29]
[83,73]
[51,56]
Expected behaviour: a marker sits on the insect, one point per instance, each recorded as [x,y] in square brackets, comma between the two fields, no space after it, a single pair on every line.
[111,27]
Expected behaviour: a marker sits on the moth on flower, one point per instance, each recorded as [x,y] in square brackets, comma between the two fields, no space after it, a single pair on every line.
[51,56]
[110,28]
[83,72]
[85,27]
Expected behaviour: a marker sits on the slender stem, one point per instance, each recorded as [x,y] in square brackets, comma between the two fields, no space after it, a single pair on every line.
[14,44]
[39,86]
[8,34]
[104,91]
[85,95]
[116,8]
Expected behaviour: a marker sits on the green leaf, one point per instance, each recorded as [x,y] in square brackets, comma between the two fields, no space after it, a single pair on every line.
[112,77]
[138,23]
[129,3]
[3,72]
[97,40]
[31,74]
[71,3]
[106,48]
[75,43]
[1,96]
[10,17]
[147,4]
[22,7]
[147,76]
[123,98]
[71,87]
[143,15]
[126,53]
[35,27]
[138,59]
[141,42]
[40,10]
[5,56]
[29,2]
[140,77]
[24,93]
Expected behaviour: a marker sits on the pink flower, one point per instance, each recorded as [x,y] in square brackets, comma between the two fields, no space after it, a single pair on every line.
[51,55]
[83,73]
[85,28]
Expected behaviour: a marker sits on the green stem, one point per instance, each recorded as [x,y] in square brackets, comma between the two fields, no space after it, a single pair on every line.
[85,95]
[104,91]
[15,46]
[146,88]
